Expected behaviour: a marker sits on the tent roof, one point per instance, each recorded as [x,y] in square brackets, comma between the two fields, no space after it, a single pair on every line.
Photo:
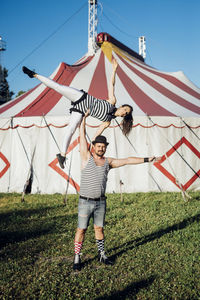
[148,90]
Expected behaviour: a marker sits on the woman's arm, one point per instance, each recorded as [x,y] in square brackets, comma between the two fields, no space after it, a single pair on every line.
[111,92]
[101,128]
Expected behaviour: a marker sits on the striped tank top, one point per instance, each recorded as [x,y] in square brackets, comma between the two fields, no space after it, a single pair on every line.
[100,109]
[94,179]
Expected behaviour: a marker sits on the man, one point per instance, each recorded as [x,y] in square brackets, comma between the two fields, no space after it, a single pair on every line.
[92,200]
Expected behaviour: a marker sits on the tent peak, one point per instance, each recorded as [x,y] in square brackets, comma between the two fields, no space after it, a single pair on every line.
[106,37]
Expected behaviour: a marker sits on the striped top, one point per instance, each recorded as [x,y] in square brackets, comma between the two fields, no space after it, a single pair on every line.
[100,109]
[94,179]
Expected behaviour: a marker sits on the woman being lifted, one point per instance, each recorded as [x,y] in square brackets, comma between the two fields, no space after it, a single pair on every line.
[104,110]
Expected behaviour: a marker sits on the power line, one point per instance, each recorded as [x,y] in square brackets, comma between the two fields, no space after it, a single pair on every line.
[46,39]
[129,35]
[120,17]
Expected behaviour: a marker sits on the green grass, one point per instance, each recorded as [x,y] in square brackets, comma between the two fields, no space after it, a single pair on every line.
[153,238]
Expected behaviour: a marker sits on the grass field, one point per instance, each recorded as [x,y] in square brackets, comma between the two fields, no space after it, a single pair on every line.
[153,238]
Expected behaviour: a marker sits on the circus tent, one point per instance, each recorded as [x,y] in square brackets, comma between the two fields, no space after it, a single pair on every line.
[166,123]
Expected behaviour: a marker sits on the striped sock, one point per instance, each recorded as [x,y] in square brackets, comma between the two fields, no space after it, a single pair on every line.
[100,245]
[77,247]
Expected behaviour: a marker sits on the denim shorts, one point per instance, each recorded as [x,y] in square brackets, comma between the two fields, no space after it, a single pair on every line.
[91,208]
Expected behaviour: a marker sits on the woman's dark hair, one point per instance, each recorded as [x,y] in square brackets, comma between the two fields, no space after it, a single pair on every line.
[127,121]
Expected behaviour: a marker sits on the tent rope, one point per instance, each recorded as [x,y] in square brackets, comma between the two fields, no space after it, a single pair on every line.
[178,153]
[47,38]
[189,128]
[51,133]
[5,124]
[26,153]
[138,154]
[31,170]
[69,168]
[184,193]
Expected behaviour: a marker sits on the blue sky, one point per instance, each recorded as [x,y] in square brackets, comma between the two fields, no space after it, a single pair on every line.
[40,34]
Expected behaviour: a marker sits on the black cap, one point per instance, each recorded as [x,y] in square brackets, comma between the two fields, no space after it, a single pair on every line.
[100,139]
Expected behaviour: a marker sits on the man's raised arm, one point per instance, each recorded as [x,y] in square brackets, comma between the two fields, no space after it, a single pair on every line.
[84,152]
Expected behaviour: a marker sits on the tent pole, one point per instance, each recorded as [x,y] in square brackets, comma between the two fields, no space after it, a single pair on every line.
[118,170]
[121,193]
[11,126]
[66,192]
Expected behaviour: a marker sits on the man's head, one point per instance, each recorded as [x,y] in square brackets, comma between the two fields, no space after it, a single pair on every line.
[100,144]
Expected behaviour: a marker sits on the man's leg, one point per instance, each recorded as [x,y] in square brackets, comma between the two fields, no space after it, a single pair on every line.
[78,243]
[99,219]
[83,221]
[99,235]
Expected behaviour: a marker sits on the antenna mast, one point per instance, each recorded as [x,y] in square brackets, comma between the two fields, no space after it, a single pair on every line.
[2,48]
[92,27]
[142,46]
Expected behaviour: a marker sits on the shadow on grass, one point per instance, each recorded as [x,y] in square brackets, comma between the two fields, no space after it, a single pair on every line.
[12,237]
[131,290]
[153,236]
[26,228]
[25,213]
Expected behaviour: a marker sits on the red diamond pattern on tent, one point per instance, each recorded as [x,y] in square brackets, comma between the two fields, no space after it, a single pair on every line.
[158,165]
[7,166]
[56,168]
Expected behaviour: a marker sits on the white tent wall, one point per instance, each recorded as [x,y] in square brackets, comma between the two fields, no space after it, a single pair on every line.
[26,143]
[53,179]
[5,158]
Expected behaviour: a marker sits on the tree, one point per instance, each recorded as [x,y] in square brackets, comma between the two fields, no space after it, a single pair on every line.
[20,93]
[5,93]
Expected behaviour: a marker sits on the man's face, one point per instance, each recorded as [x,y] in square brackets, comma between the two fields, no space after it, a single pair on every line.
[100,149]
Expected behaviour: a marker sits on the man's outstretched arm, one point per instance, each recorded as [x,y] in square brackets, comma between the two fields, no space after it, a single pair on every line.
[116,163]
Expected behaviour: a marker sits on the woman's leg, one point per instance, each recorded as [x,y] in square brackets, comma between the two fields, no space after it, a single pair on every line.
[69,92]
[75,120]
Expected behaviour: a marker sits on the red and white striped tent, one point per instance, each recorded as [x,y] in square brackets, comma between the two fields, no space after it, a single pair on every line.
[166,123]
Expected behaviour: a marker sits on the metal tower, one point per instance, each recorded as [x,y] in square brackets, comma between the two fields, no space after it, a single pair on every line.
[142,46]
[2,47]
[92,26]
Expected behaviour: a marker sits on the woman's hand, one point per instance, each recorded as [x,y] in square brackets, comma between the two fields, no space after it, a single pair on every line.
[114,64]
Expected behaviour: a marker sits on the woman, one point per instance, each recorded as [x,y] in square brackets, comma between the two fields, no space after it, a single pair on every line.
[103,110]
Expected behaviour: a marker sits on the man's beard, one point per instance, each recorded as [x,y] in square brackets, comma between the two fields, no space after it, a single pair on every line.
[100,154]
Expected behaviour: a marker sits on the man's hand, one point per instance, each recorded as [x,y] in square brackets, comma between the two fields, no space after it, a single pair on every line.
[87,113]
[153,158]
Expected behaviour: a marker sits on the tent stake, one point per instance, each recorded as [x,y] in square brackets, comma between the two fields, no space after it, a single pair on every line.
[121,193]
